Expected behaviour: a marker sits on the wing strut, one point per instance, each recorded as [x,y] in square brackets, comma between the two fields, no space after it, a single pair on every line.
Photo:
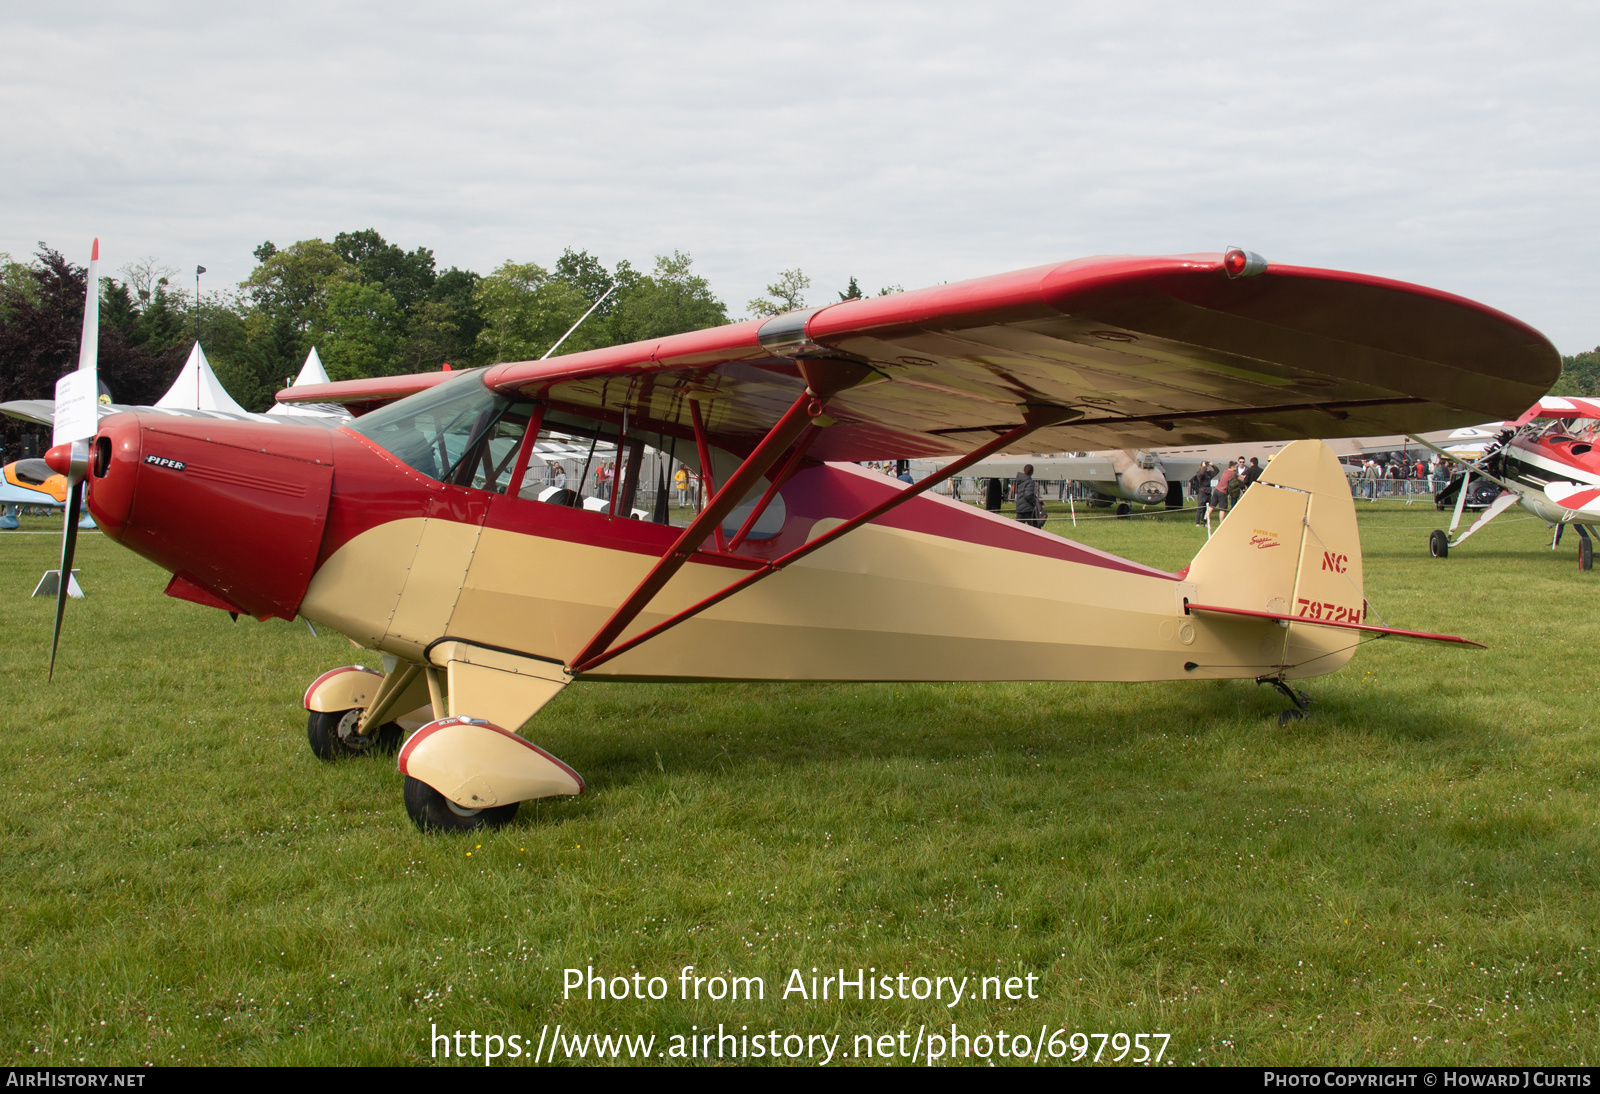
[777,484]
[708,473]
[595,654]
[825,378]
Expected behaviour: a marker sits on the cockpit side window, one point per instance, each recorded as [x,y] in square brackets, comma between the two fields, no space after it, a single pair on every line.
[433,431]
[493,457]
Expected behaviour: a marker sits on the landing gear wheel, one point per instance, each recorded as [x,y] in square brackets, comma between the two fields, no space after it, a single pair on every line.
[1585,553]
[1123,509]
[431,811]
[1301,701]
[1438,543]
[332,735]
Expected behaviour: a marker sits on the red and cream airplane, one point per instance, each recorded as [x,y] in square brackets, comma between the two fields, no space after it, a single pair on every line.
[1541,464]
[409,529]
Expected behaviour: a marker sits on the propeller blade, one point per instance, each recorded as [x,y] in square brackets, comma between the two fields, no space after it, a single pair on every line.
[1461,501]
[77,418]
[69,546]
[1475,466]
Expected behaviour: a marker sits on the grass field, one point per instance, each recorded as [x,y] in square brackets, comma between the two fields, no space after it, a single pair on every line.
[1408,876]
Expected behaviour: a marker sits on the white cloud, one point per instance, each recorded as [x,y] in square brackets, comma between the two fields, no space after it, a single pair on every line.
[1447,143]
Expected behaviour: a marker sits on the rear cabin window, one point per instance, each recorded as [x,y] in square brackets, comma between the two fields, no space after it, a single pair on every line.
[583,462]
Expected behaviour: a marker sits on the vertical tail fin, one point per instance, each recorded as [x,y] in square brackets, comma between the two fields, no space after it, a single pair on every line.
[1291,546]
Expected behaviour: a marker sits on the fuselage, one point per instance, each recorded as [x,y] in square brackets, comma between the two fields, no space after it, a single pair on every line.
[279,520]
[1533,459]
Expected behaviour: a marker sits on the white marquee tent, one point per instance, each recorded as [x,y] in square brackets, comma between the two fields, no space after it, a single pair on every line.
[197,388]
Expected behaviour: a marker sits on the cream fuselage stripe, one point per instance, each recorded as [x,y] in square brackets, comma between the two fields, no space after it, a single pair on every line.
[881,604]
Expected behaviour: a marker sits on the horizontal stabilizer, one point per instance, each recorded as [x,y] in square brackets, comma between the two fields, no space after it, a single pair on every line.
[1420,636]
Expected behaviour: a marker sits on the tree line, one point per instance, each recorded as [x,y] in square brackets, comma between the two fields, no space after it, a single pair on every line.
[1580,375]
[371,308]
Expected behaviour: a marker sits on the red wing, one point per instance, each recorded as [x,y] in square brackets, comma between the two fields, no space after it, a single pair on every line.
[1560,406]
[360,396]
[1146,351]
[1392,632]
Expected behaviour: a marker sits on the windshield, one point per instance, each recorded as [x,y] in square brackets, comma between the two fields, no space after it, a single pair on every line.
[431,430]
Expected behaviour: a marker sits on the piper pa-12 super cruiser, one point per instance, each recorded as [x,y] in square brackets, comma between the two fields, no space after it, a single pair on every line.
[408,529]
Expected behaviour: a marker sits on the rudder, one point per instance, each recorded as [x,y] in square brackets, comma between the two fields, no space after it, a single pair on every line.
[1291,546]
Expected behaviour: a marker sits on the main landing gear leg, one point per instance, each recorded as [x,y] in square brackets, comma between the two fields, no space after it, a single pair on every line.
[1301,701]
[355,710]
[465,772]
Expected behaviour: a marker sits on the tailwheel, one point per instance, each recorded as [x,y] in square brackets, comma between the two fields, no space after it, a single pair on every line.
[1301,701]
[334,734]
[431,811]
[1438,543]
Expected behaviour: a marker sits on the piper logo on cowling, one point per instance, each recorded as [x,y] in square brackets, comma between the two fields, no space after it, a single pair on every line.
[162,461]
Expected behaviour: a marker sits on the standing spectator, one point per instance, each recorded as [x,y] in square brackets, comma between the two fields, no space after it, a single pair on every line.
[1224,486]
[1025,492]
[1217,496]
[1238,482]
[680,483]
[1369,479]
[1200,487]
[1253,472]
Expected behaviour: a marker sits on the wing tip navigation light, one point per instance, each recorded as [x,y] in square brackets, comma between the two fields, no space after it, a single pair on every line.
[1238,262]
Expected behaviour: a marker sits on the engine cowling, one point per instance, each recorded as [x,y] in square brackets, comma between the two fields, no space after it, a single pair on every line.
[235,508]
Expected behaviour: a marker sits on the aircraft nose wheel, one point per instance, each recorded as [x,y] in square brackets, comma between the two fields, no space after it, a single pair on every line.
[432,811]
[1438,543]
[332,735]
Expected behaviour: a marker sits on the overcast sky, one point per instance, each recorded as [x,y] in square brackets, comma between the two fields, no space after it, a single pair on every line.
[1452,144]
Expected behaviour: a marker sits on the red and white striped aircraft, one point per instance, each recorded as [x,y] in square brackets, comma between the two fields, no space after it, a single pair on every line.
[1545,461]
